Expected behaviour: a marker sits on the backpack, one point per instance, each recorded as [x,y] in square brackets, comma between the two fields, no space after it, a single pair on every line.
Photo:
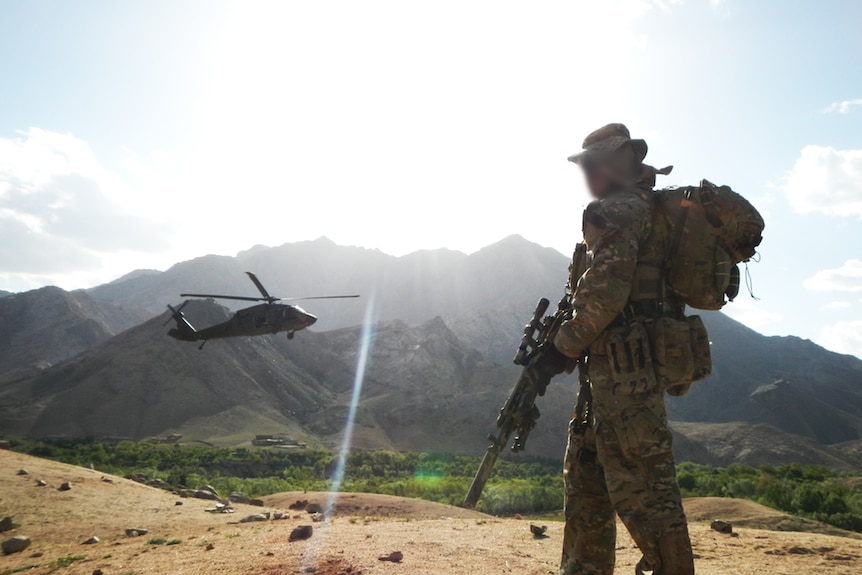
[708,230]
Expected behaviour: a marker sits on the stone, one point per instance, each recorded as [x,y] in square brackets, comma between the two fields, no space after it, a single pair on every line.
[210,547]
[5,524]
[313,508]
[318,517]
[205,494]
[278,516]
[394,557]
[538,531]
[209,488]
[65,486]
[40,483]
[256,502]
[301,532]
[15,545]
[136,532]
[97,572]
[252,518]
[23,472]
[5,444]
[91,541]
[299,504]
[238,497]
[178,503]
[721,526]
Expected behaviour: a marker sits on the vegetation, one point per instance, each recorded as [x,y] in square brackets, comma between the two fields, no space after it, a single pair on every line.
[807,491]
[62,562]
[523,486]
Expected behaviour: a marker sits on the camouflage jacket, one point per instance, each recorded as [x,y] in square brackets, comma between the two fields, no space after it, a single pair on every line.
[618,232]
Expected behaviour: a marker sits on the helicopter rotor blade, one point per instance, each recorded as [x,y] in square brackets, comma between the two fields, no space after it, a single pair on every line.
[214,296]
[260,288]
[319,297]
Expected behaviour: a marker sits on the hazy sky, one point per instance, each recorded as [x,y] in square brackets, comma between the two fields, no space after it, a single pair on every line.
[140,133]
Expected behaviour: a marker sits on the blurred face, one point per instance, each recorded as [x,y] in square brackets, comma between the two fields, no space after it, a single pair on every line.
[598,182]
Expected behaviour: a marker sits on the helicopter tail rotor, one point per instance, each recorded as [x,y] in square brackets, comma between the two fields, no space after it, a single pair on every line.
[184,330]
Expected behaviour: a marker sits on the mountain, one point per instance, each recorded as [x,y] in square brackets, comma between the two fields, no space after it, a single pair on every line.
[513,273]
[723,444]
[789,383]
[423,390]
[47,325]
[468,305]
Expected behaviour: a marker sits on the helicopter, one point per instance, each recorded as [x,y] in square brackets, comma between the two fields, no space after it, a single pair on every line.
[266,318]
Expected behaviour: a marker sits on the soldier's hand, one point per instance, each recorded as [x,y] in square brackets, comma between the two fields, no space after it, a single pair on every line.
[548,363]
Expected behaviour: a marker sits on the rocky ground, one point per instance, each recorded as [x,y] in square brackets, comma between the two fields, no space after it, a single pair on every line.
[418,537]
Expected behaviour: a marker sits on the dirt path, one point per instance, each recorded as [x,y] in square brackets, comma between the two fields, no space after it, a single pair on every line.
[433,538]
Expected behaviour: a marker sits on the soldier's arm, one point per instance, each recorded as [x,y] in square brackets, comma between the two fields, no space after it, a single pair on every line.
[612,230]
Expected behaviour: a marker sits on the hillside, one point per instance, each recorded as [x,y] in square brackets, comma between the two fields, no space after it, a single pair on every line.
[45,326]
[424,390]
[431,542]
[440,368]
[413,288]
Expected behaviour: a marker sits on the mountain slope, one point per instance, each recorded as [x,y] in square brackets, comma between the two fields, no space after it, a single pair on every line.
[412,288]
[790,383]
[423,390]
[48,325]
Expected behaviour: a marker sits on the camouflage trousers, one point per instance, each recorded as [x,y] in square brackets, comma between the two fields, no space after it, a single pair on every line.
[623,465]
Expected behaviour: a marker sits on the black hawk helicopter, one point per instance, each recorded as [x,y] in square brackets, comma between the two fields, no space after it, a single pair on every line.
[262,319]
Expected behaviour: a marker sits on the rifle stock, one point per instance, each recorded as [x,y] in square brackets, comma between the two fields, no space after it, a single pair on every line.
[519,414]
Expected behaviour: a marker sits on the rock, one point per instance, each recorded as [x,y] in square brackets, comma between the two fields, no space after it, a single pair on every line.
[160,484]
[318,517]
[299,504]
[721,526]
[395,557]
[136,532]
[97,572]
[5,524]
[15,545]
[210,547]
[252,518]
[91,541]
[518,516]
[238,497]
[301,532]
[278,516]
[107,480]
[23,472]
[313,508]
[209,488]
[537,531]
[5,444]
[36,554]
[204,494]
[65,486]
[40,483]
[178,503]
[256,502]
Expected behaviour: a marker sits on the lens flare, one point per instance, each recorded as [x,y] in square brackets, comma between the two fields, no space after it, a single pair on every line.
[366,342]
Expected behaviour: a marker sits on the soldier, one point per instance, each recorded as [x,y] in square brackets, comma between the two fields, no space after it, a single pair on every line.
[622,461]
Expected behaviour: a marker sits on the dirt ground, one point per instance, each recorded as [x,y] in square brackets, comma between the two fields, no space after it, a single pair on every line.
[433,538]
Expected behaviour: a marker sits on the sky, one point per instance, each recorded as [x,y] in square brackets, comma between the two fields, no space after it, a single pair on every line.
[141,133]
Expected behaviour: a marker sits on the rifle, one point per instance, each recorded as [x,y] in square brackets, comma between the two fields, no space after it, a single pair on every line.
[519,414]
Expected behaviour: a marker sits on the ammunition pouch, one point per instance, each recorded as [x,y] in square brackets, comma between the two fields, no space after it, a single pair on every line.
[681,352]
[631,360]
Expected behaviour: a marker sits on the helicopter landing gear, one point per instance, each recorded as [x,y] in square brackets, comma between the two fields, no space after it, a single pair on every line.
[290,334]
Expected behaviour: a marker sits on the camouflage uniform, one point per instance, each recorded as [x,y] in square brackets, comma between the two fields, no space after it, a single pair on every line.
[623,461]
